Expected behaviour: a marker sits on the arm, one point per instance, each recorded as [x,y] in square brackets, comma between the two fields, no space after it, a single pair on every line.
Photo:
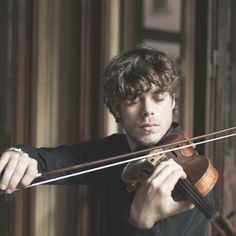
[20,168]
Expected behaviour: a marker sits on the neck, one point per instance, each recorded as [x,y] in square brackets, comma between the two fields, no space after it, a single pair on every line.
[133,145]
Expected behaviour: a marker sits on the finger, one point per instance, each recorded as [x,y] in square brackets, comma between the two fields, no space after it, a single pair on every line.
[31,173]
[163,170]
[9,170]
[183,206]
[171,180]
[165,181]
[4,160]
[19,172]
[159,168]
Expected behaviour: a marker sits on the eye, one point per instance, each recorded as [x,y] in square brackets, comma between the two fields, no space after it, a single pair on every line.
[132,100]
[159,96]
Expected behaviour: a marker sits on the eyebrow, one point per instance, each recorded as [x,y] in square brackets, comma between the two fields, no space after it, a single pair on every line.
[155,90]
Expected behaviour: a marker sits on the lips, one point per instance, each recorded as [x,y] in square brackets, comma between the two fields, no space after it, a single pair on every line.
[148,126]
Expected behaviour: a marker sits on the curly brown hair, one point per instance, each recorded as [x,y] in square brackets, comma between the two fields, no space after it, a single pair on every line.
[130,72]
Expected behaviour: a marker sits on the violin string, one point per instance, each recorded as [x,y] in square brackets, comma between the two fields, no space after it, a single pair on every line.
[205,203]
[204,206]
[198,199]
[121,162]
[224,226]
[198,204]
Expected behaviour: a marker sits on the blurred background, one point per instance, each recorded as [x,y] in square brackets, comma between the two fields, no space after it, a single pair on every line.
[52,58]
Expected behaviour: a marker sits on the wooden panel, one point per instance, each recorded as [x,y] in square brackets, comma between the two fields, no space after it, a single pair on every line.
[230,111]
[90,68]
[56,87]
[110,46]
[188,63]
[221,100]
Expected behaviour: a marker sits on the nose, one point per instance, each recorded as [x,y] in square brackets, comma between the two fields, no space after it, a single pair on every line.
[148,107]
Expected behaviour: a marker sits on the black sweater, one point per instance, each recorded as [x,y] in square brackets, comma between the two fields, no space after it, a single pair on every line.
[115,199]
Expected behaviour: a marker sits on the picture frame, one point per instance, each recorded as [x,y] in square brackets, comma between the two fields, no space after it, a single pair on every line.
[162,15]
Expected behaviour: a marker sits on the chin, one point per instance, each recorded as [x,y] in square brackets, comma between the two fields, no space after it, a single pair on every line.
[148,141]
[145,140]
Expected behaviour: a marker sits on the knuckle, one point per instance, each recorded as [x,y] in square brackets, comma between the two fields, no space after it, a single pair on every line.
[14,155]
[179,172]
[171,160]
[12,163]
[164,191]
[34,162]
[154,184]
[25,156]
[32,172]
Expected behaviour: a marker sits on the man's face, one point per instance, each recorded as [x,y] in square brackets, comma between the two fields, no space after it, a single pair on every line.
[147,118]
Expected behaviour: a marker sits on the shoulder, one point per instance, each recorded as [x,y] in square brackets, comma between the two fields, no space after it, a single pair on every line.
[114,139]
[114,144]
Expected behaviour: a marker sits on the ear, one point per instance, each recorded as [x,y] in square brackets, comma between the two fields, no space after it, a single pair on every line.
[173,103]
[117,115]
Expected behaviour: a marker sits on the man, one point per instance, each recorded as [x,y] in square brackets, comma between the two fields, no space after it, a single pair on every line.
[139,90]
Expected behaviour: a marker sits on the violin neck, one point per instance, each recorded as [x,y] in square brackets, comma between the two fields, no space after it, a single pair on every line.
[223,227]
[206,208]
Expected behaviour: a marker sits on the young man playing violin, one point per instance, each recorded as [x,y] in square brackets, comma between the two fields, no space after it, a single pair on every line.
[139,89]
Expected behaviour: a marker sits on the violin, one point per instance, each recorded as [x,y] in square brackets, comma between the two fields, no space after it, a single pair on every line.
[201,176]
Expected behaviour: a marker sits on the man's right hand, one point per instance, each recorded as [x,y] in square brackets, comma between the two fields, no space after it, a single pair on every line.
[16,170]
[153,200]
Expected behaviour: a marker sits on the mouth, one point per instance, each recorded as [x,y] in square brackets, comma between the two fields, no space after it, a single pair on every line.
[148,127]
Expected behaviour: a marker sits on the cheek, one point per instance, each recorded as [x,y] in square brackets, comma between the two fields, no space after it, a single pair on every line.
[128,116]
[128,111]
[166,111]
